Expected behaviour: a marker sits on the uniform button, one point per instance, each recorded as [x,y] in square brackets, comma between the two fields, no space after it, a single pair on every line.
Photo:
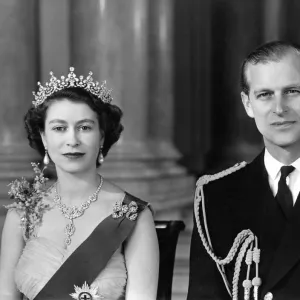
[268,296]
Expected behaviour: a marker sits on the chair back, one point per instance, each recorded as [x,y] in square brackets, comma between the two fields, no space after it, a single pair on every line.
[167,233]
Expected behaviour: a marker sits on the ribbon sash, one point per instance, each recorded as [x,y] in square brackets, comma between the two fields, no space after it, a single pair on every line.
[91,257]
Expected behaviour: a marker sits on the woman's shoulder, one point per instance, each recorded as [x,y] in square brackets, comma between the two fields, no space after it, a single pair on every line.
[121,200]
[13,220]
[129,198]
[13,215]
[115,193]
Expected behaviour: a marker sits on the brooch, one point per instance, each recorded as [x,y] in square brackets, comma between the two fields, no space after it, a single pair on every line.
[130,210]
[28,198]
[86,293]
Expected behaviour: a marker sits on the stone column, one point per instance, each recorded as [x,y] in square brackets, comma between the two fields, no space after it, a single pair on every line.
[192,79]
[130,45]
[274,19]
[234,134]
[18,78]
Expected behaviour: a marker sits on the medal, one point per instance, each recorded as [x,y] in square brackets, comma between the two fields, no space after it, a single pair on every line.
[86,293]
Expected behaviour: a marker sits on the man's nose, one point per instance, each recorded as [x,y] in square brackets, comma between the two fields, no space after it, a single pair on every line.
[280,105]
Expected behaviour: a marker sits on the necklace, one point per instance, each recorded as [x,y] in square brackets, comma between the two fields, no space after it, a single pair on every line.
[73,212]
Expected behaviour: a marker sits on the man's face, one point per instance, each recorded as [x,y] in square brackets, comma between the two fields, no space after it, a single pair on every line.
[274,100]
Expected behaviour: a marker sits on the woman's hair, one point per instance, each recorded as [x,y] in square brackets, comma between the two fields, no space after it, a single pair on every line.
[109,117]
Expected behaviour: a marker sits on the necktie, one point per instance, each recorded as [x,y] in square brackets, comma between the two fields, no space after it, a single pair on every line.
[284,194]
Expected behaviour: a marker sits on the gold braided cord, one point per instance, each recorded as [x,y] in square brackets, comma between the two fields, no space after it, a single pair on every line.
[237,267]
[244,239]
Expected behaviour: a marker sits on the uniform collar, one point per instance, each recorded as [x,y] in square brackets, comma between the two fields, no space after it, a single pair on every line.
[273,165]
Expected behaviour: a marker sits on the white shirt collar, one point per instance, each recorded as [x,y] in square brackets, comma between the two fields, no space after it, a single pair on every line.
[273,165]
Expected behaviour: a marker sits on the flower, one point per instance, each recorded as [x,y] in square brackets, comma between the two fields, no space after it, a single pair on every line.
[28,196]
[90,293]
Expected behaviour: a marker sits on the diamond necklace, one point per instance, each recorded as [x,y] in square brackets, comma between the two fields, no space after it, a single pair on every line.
[74,212]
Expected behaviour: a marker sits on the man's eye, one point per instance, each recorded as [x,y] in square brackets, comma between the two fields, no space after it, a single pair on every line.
[264,95]
[292,92]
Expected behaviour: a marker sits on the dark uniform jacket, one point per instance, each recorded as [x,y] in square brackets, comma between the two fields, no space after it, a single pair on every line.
[238,201]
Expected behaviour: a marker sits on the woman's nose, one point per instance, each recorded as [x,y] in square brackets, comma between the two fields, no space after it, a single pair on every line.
[72,139]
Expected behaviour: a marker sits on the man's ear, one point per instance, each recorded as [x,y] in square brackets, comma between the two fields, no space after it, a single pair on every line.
[247,104]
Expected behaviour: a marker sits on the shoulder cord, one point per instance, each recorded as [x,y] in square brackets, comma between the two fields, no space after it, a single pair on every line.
[244,238]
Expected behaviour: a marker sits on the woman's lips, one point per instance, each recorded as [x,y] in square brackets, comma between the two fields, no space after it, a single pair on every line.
[74,155]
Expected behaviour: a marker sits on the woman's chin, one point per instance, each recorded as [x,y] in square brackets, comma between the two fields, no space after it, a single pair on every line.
[74,168]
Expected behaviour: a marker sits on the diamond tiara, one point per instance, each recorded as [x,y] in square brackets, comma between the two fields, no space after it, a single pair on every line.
[55,84]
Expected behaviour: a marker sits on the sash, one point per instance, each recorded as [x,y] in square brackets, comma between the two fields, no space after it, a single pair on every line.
[91,257]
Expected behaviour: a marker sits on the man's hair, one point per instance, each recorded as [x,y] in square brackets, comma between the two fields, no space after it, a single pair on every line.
[272,51]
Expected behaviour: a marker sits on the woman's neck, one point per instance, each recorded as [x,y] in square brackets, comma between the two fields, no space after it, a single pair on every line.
[75,189]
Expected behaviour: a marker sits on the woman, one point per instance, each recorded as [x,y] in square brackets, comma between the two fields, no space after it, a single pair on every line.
[83,231]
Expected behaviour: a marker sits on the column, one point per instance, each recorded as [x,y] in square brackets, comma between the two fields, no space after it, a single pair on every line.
[192,78]
[234,134]
[274,19]
[18,57]
[130,45]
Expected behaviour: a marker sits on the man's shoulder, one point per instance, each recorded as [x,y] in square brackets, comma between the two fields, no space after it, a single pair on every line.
[236,172]
[233,186]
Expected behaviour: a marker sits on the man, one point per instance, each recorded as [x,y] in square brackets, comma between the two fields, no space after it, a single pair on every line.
[260,197]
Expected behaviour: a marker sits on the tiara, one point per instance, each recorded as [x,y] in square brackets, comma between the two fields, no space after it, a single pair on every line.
[55,84]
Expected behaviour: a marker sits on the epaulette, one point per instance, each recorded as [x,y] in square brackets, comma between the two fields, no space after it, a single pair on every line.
[207,178]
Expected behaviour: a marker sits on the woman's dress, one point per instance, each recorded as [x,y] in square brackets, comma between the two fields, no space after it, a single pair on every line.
[41,258]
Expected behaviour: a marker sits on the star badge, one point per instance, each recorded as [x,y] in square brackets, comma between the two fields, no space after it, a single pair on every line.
[85,293]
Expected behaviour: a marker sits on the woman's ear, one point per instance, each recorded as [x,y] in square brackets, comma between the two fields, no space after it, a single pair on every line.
[102,137]
[42,133]
[247,104]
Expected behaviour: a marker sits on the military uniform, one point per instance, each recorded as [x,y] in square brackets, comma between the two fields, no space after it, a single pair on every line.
[235,202]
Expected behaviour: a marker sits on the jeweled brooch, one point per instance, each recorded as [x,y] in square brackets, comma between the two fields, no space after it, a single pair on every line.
[130,210]
[86,292]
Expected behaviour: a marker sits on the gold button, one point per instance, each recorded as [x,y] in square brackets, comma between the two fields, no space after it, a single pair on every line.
[268,296]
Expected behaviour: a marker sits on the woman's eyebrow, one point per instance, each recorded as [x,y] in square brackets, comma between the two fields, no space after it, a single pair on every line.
[57,121]
[78,122]
[86,121]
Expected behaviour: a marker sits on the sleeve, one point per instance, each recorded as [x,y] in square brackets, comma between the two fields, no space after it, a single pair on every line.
[205,281]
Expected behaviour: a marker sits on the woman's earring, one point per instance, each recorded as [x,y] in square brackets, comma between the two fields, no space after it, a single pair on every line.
[46,160]
[100,157]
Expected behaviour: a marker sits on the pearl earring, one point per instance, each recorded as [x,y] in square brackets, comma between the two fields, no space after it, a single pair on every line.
[46,159]
[100,157]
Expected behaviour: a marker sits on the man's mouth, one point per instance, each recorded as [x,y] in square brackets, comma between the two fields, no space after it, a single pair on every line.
[283,123]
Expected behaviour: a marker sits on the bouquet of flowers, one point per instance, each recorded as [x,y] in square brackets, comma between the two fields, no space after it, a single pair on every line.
[28,196]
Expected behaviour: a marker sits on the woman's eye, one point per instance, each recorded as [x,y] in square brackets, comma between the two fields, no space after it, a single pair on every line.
[59,128]
[85,128]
